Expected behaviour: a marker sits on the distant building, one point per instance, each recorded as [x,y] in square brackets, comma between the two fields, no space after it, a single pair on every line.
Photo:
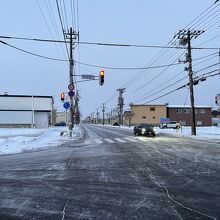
[216,118]
[153,113]
[62,117]
[25,111]
[127,117]
[147,114]
[216,114]
[183,114]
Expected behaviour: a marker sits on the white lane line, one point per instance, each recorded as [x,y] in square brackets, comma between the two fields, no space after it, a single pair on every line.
[131,139]
[120,140]
[109,141]
[98,141]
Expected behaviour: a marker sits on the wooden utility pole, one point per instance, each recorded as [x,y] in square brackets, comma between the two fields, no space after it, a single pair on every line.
[120,105]
[185,37]
[71,35]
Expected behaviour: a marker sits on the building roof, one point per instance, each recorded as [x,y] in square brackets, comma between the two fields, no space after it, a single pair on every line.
[150,105]
[187,106]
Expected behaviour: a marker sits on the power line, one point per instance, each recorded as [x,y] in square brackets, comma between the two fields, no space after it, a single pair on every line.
[181,87]
[127,68]
[61,23]
[34,54]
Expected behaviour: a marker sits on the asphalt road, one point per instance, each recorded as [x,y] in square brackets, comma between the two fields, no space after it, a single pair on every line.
[113,175]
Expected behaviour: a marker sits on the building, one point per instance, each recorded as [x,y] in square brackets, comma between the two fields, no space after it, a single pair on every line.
[152,114]
[216,118]
[183,114]
[62,117]
[25,111]
[127,118]
[147,114]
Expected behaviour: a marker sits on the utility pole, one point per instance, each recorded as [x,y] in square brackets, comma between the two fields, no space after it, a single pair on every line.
[103,114]
[185,37]
[71,35]
[120,104]
[97,116]
[219,61]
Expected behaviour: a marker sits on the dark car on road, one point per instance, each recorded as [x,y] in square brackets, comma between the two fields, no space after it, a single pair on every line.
[145,130]
[60,124]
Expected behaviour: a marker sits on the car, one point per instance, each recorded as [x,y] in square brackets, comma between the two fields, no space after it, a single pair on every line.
[116,124]
[170,124]
[145,130]
[60,124]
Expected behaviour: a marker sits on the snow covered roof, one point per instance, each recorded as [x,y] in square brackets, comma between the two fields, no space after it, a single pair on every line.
[187,106]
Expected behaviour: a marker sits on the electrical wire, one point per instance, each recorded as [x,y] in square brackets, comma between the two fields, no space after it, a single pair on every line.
[34,54]
[127,68]
[61,23]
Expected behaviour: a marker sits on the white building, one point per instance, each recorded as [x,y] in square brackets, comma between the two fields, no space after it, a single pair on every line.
[63,117]
[25,111]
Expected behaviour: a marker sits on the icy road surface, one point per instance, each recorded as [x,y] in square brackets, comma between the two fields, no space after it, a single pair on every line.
[113,175]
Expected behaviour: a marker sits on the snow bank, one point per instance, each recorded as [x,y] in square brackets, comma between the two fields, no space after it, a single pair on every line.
[204,133]
[20,140]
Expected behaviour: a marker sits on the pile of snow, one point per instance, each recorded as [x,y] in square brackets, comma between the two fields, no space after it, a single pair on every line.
[212,133]
[21,140]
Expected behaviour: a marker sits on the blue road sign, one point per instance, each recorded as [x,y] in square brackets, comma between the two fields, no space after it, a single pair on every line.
[71,93]
[164,120]
[66,105]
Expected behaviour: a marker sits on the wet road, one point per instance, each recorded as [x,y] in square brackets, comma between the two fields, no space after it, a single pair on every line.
[113,175]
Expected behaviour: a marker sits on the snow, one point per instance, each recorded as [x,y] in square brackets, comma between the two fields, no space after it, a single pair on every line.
[204,133]
[17,140]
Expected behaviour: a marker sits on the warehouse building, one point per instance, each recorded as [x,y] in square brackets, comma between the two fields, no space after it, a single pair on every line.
[25,111]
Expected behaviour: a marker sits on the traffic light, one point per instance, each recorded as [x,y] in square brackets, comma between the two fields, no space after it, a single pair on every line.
[101,77]
[62,96]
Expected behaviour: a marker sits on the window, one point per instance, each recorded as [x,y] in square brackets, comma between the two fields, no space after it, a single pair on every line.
[202,111]
[143,117]
[154,117]
[196,111]
[179,110]
[183,122]
[199,123]
[152,109]
[187,111]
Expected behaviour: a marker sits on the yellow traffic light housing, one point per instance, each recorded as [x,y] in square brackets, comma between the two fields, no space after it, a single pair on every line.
[101,77]
[62,96]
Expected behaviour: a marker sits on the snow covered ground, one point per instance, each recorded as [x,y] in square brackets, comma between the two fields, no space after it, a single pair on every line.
[23,139]
[204,133]
[16,140]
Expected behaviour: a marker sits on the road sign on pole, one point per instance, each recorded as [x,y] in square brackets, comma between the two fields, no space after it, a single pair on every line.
[71,86]
[66,105]
[92,77]
[71,93]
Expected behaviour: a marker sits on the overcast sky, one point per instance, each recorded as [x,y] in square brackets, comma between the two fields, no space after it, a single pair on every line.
[117,21]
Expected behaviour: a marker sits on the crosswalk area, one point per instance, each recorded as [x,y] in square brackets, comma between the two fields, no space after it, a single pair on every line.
[126,139]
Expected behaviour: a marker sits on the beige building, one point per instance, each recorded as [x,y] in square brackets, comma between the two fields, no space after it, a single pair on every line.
[147,114]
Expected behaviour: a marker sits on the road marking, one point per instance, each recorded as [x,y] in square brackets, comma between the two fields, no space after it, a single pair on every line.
[109,141]
[131,139]
[120,140]
[98,141]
